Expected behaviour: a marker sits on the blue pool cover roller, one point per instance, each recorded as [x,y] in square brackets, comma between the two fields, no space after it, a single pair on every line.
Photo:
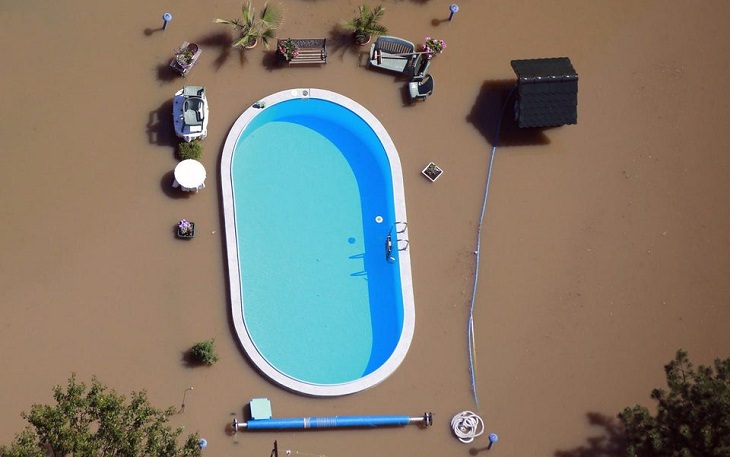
[303,423]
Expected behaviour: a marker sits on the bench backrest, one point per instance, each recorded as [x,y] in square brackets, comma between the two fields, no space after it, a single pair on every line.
[394,45]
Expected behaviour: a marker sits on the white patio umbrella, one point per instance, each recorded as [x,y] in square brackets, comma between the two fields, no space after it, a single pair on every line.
[190,175]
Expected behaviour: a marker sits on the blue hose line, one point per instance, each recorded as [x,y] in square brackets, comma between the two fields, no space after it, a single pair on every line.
[470,325]
[326,422]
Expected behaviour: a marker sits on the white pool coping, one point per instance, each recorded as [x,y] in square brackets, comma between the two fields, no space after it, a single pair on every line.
[234,275]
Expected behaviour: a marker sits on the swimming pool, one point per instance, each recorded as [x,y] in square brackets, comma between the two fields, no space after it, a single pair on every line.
[313,198]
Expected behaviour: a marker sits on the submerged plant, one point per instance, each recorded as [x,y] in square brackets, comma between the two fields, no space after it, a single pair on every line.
[185,227]
[432,171]
[250,27]
[288,49]
[367,23]
[190,150]
[185,55]
[204,352]
[433,46]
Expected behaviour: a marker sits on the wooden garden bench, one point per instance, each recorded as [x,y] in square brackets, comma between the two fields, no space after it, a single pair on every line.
[311,50]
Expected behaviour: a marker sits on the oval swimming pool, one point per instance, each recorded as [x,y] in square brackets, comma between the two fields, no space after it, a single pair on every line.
[319,272]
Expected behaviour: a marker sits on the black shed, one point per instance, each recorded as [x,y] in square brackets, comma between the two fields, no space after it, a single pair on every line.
[547,92]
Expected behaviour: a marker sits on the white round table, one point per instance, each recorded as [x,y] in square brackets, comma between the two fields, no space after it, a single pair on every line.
[190,174]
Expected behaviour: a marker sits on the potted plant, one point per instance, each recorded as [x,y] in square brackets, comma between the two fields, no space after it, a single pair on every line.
[366,24]
[184,55]
[433,46]
[185,229]
[251,27]
[432,171]
[288,49]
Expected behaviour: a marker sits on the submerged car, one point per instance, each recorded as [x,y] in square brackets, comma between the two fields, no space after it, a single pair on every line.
[190,113]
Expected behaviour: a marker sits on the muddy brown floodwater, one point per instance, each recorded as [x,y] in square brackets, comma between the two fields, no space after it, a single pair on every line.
[606,244]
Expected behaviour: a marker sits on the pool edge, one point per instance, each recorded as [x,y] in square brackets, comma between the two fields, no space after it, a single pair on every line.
[406,337]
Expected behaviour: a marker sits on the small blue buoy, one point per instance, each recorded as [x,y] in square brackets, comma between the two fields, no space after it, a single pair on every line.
[203,443]
[167,17]
[453,9]
[493,438]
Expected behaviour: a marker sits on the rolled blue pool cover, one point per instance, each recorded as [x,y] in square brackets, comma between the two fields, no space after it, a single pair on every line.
[300,423]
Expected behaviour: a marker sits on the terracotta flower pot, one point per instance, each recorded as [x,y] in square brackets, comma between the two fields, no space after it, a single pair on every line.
[252,45]
[361,39]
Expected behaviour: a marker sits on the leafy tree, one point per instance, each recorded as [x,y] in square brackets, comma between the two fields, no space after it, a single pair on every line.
[95,421]
[692,418]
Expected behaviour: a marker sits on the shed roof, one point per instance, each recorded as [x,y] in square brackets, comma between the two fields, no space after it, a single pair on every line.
[547,91]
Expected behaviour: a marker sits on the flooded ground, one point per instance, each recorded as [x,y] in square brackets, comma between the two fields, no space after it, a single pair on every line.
[606,244]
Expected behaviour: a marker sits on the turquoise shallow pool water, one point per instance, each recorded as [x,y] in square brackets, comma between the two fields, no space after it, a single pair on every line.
[319,299]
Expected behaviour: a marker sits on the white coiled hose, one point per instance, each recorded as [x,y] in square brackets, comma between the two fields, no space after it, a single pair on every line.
[467,425]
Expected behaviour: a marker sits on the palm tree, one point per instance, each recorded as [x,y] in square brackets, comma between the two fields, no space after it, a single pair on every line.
[251,28]
[366,24]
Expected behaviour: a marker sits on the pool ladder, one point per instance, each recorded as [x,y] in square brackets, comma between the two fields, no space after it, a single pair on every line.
[400,243]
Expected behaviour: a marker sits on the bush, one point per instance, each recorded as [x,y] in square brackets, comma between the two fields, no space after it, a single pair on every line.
[191,150]
[204,352]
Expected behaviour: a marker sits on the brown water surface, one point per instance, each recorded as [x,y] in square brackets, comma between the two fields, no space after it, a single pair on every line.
[606,245]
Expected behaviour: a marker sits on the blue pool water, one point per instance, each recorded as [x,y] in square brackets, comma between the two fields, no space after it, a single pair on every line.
[313,199]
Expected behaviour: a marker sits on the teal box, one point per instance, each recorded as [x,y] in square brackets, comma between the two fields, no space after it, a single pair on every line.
[260,408]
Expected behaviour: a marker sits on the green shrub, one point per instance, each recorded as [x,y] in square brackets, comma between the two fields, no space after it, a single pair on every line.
[204,352]
[191,150]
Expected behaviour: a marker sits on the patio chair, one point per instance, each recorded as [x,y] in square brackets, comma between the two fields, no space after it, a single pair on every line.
[421,89]
[421,65]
